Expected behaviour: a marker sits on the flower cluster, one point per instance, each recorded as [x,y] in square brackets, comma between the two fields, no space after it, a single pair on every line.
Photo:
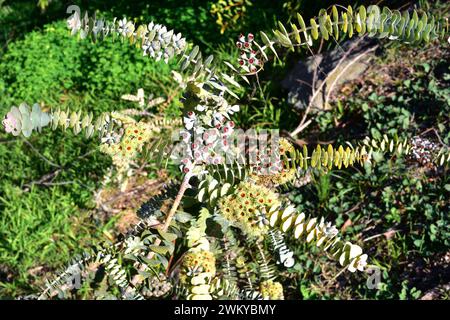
[23,120]
[246,208]
[130,144]
[157,41]
[207,127]
[124,148]
[423,151]
[249,59]
[12,122]
[271,290]
[198,268]
[162,44]
[285,146]
[196,262]
[270,171]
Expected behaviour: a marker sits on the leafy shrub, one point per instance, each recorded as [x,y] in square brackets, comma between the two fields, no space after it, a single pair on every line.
[235,225]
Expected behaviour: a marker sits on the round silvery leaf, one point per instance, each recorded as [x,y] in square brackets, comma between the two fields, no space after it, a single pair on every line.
[77,128]
[83,34]
[345,253]
[151,35]
[355,251]
[199,297]
[358,263]
[352,265]
[89,130]
[27,127]
[16,113]
[35,120]
[36,116]
[129,28]
[201,289]
[156,45]
[198,280]
[12,122]
[44,119]
[169,51]
[24,110]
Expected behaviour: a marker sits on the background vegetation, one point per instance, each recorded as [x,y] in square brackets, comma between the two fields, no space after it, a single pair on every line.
[397,209]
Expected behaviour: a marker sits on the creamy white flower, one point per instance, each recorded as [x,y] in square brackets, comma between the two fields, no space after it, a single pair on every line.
[233,109]
[189,122]
[123,29]
[74,23]
[200,108]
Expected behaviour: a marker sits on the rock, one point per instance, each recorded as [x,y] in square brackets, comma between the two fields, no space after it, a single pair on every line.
[298,82]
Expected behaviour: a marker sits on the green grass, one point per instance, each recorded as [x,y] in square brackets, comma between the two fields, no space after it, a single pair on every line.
[39,228]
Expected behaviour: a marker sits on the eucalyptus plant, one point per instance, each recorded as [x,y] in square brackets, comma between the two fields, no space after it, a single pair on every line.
[224,235]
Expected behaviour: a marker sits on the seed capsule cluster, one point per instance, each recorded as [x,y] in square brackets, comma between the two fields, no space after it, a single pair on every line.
[157,287]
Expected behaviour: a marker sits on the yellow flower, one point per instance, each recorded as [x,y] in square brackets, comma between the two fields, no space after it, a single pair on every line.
[285,146]
[271,290]
[246,208]
[281,177]
[201,261]
[135,136]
